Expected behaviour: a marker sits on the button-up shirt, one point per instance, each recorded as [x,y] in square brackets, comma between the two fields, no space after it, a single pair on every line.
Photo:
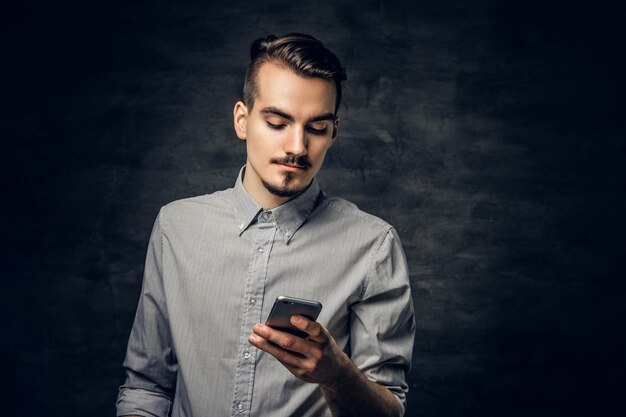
[214,266]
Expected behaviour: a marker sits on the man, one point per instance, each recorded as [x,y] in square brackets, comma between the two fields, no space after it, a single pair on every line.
[216,263]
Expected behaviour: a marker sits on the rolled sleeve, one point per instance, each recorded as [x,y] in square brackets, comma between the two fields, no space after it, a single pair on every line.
[383,324]
[140,402]
[150,362]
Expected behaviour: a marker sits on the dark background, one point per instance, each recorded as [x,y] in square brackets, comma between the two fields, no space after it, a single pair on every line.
[490,133]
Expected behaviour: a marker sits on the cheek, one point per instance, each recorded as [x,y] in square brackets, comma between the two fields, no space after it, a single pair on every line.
[318,153]
[255,143]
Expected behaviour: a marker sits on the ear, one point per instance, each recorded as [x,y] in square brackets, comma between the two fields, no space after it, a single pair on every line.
[240,120]
[335,128]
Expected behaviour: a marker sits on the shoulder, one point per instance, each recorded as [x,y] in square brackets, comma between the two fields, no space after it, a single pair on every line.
[189,210]
[336,209]
[372,237]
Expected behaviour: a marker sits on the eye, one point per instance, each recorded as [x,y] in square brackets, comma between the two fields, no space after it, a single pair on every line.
[274,126]
[315,131]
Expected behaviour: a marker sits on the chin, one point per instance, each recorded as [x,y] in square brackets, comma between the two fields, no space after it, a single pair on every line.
[281,189]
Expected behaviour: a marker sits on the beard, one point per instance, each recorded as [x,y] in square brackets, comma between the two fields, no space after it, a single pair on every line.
[285,189]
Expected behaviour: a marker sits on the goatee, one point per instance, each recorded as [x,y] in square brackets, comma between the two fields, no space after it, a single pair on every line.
[283,191]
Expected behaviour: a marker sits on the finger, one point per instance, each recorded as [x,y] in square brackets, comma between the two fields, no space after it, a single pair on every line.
[293,362]
[315,330]
[285,357]
[282,339]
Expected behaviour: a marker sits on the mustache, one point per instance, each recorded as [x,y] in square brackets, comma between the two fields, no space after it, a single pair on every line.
[301,161]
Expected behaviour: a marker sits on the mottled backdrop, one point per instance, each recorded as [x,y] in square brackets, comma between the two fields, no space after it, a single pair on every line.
[490,133]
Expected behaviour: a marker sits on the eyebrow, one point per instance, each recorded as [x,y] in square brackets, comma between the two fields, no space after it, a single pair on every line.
[279,112]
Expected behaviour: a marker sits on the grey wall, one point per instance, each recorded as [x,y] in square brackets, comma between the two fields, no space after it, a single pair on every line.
[490,133]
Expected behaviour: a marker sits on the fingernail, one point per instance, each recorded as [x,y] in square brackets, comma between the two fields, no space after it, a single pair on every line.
[296,319]
[260,330]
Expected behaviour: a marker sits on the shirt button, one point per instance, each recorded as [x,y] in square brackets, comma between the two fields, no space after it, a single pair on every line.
[261,250]
[265,216]
[239,407]
[252,300]
[247,354]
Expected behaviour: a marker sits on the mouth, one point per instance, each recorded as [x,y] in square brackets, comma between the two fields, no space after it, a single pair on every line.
[291,167]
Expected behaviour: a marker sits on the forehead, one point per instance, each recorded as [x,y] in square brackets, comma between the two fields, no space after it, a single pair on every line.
[303,97]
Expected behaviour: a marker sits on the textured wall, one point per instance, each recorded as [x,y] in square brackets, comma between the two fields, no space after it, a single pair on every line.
[489,133]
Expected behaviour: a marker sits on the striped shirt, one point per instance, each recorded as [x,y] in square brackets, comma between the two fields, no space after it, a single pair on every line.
[214,266]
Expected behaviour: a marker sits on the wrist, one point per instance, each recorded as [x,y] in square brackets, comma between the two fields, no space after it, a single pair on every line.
[345,376]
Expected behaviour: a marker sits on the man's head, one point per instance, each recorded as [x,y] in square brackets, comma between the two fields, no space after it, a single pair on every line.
[301,53]
[288,117]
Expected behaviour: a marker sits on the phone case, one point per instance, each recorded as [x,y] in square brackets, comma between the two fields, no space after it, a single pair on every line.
[284,307]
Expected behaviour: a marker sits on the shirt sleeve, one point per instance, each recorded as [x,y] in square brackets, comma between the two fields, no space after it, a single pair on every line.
[383,324]
[150,362]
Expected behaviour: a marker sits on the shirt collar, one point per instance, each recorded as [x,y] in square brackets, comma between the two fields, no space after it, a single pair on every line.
[288,217]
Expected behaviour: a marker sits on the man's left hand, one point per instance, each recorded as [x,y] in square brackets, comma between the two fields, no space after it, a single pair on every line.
[316,359]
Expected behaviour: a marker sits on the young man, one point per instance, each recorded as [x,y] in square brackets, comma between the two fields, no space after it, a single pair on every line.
[216,263]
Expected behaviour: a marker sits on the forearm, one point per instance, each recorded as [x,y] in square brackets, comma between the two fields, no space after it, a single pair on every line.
[355,395]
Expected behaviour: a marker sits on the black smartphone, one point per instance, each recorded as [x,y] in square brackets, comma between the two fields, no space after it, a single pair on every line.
[284,307]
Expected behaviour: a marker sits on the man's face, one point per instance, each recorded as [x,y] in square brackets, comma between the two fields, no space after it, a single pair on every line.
[287,133]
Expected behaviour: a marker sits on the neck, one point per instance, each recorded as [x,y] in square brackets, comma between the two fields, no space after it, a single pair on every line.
[262,195]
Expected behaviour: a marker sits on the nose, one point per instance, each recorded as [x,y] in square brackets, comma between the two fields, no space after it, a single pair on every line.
[296,142]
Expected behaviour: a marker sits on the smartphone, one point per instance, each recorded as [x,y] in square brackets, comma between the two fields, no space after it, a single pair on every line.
[284,307]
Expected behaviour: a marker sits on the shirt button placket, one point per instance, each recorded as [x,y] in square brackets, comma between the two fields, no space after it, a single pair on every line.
[244,377]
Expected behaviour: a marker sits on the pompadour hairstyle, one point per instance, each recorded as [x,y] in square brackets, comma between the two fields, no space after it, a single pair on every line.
[301,53]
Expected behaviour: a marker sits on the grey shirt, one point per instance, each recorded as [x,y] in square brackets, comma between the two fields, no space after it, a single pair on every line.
[214,266]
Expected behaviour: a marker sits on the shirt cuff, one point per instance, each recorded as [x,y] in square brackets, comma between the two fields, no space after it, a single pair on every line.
[141,402]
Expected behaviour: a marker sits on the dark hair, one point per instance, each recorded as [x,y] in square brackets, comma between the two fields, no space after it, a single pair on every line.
[301,53]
